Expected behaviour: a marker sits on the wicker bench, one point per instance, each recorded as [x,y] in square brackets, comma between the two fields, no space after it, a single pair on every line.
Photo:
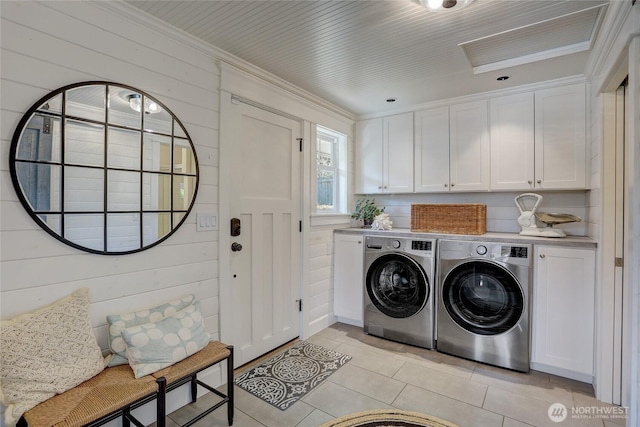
[115,392]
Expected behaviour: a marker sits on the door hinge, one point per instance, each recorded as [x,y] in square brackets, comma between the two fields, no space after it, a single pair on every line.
[299,301]
[300,141]
[300,226]
[619,262]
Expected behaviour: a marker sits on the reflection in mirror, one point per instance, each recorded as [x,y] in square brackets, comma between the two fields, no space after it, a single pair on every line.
[123,191]
[86,102]
[157,153]
[184,188]
[123,232]
[156,192]
[41,139]
[40,184]
[155,227]
[83,189]
[183,158]
[120,110]
[104,161]
[84,143]
[155,120]
[123,148]
[52,105]
[86,230]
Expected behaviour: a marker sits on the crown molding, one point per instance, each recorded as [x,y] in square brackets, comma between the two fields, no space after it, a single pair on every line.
[134,15]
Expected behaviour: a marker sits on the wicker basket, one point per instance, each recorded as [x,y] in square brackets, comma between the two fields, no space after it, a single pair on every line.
[449,219]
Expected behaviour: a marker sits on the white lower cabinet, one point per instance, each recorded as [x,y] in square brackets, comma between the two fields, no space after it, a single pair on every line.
[348,280]
[563,312]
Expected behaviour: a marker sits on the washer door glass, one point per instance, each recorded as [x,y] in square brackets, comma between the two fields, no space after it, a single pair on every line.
[397,285]
[483,298]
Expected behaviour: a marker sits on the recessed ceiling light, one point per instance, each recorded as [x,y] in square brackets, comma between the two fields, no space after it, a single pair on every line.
[444,5]
[391,99]
[502,78]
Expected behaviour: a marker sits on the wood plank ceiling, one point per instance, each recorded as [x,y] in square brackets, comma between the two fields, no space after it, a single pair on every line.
[358,53]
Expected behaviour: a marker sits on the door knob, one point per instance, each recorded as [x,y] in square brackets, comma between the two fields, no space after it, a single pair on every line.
[236,247]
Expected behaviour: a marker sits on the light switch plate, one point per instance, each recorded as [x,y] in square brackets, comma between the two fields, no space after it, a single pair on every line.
[206,221]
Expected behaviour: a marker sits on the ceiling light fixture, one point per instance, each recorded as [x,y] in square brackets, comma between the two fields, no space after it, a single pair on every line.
[444,5]
[150,107]
[502,78]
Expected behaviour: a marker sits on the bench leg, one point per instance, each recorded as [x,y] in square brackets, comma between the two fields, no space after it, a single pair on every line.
[194,388]
[230,386]
[161,401]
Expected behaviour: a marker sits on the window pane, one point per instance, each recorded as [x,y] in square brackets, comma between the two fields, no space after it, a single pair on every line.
[157,153]
[325,152]
[184,160]
[40,185]
[87,102]
[184,188]
[40,140]
[122,107]
[156,226]
[156,192]
[325,190]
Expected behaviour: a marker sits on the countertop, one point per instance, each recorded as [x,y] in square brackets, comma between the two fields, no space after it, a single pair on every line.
[569,241]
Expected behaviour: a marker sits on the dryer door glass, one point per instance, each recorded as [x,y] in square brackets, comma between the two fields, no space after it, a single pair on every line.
[397,285]
[483,298]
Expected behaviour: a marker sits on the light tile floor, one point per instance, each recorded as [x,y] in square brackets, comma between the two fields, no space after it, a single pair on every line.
[384,374]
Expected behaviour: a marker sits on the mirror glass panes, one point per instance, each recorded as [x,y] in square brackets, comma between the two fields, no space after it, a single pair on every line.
[104,167]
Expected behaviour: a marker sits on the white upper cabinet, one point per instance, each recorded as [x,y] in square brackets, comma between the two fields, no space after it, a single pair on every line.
[432,150]
[560,138]
[384,155]
[369,156]
[512,142]
[469,154]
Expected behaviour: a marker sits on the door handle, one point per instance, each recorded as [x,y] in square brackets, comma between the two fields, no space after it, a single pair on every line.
[236,247]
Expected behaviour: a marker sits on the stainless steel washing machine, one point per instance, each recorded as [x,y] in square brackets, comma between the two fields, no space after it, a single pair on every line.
[484,302]
[399,288]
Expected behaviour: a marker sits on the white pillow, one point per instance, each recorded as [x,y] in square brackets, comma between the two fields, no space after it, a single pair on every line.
[156,345]
[118,322]
[47,352]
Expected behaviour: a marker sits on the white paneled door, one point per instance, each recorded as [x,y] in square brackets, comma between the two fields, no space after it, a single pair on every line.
[263,276]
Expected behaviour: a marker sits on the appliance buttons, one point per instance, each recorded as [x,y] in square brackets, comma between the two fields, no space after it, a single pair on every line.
[481,250]
[395,244]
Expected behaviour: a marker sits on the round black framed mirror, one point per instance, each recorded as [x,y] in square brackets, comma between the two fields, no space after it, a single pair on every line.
[104,167]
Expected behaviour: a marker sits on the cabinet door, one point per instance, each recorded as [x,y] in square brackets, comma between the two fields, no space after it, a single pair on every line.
[512,139]
[348,281]
[397,154]
[368,156]
[431,150]
[563,313]
[560,135]
[469,147]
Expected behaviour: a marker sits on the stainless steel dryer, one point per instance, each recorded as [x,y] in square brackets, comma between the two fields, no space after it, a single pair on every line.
[399,289]
[484,302]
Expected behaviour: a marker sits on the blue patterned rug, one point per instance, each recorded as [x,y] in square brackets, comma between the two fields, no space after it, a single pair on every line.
[287,377]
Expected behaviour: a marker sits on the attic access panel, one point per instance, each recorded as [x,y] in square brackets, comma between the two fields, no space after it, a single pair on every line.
[564,35]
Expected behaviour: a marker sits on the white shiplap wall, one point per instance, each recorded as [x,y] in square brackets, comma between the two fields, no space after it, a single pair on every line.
[51,44]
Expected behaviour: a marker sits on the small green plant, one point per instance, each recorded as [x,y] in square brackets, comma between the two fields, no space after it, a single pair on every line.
[366,210]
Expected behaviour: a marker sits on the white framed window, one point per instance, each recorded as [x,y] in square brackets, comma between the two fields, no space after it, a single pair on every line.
[331,171]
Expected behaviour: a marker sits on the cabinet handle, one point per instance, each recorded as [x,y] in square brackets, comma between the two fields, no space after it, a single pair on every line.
[542,256]
[530,182]
[379,188]
[446,185]
[539,181]
[359,241]
[452,184]
[385,186]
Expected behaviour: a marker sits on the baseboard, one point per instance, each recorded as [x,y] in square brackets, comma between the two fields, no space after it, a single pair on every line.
[348,321]
[561,372]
